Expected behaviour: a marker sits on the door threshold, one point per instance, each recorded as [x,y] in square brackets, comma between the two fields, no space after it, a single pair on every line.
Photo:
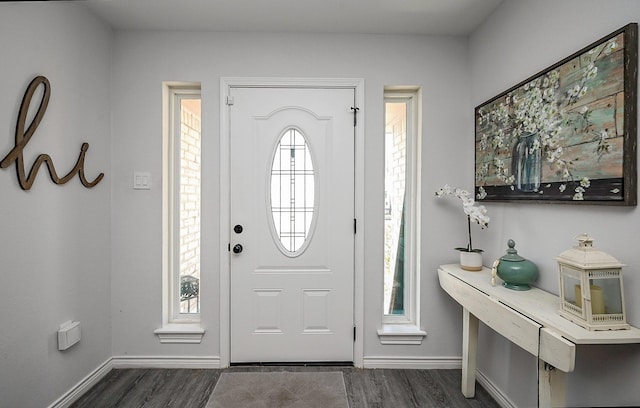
[295,364]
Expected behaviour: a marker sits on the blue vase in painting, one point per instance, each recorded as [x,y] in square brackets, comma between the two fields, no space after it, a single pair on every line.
[528,162]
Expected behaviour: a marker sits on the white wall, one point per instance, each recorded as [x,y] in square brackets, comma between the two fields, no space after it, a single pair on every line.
[518,40]
[142,60]
[54,240]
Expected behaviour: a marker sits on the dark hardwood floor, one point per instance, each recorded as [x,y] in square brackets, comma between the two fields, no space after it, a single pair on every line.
[366,388]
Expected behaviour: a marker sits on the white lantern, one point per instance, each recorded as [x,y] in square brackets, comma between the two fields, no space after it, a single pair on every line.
[591,290]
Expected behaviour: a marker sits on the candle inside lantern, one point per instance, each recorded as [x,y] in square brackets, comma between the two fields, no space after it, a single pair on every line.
[597,299]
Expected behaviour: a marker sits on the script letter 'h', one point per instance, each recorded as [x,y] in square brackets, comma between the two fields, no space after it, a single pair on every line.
[22,139]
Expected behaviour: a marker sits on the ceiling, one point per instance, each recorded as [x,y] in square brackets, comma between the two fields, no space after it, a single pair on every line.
[428,17]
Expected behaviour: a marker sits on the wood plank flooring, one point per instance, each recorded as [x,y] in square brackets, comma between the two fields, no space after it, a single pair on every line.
[366,388]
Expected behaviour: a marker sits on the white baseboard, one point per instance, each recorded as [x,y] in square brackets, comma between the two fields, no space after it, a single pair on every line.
[166,362]
[213,362]
[421,363]
[83,386]
[96,375]
[491,388]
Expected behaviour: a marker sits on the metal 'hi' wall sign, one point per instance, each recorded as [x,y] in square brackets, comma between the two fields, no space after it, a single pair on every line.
[24,134]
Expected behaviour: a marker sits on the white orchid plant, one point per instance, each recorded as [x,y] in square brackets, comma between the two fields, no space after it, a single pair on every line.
[475,213]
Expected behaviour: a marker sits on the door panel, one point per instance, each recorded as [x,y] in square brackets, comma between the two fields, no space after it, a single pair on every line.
[292,301]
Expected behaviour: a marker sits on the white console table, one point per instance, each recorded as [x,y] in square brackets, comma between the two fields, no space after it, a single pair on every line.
[529,319]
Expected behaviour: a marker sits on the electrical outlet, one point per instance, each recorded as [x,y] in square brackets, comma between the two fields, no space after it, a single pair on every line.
[68,334]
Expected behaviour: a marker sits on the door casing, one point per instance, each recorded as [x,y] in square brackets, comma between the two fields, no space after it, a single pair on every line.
[226,83]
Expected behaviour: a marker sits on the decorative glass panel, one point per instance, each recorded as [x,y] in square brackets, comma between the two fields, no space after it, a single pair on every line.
[292,190]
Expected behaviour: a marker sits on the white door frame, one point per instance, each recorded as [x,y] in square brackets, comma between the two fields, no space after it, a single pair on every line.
[226,83]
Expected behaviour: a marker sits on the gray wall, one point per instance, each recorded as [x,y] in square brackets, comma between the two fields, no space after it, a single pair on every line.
[54,240]
[95,255]
[518,40]
[142,60]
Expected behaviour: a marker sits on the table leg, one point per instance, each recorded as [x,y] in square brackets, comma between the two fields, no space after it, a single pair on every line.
[551,386]
[469,353]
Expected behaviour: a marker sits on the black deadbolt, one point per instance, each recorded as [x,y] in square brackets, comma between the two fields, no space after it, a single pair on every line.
[237,229]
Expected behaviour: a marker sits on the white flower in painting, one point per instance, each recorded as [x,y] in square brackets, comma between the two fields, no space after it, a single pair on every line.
[615,190]
[497,142]
[482,194]
[545,82]
[582,92]
[579,193]
[585,182]
[562,187]
[591,71]
[535,146]
[549,95]
[553,155]
[482,172]
[484,141]
[584,109]
[502,113]
[574,91]
[611,46]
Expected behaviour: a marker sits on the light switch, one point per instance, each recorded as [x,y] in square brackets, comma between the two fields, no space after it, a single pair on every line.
[141,180]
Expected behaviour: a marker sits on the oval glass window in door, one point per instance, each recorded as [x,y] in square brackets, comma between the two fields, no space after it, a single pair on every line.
[293,194]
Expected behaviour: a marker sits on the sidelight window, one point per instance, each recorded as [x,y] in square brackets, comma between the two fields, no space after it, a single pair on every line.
[401,207]
[182,202]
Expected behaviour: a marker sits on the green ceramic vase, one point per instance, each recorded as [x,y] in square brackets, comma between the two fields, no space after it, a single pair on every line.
[516,272]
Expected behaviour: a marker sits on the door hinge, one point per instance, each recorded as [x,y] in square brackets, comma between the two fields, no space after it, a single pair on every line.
[229,100]
[354,333]
[355,226]
[355,115]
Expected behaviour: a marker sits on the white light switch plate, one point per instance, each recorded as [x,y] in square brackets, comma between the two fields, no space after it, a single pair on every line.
[141,180]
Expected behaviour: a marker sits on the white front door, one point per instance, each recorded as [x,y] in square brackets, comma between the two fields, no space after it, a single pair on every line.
[292,224]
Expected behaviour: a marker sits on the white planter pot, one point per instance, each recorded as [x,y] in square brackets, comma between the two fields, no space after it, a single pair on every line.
[471,261]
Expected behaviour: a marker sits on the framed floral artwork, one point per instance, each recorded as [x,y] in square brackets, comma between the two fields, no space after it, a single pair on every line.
[568,133]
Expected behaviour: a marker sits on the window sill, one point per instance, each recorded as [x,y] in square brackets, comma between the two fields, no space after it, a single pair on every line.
[186,333]
[401,334]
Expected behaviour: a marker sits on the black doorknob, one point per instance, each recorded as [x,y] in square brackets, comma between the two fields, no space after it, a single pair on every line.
[237,248]
[238,229]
